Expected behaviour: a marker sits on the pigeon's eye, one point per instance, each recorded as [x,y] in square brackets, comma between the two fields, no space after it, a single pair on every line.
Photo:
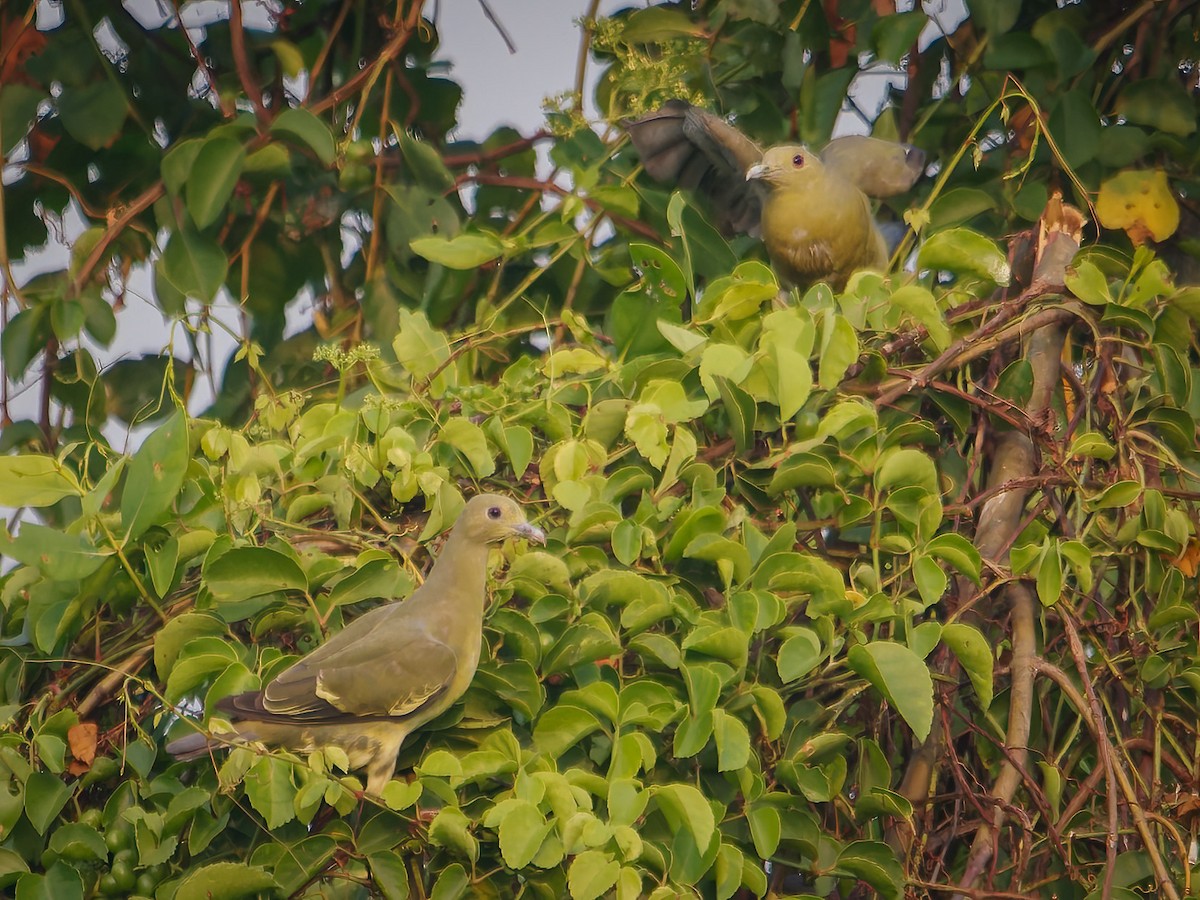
[494,512]
[798,161]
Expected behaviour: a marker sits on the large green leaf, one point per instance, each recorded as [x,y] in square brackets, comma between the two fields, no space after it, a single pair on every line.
[154,476]
[245,572]
[227,880]
[901,676]
[93,113]
[194,264]
[213,176]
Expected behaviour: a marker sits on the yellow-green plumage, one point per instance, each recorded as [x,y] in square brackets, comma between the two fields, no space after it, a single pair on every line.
[816,221]
[388,672]
[816,225]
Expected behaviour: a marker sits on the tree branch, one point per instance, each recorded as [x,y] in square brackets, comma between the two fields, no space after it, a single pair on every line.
[241,62]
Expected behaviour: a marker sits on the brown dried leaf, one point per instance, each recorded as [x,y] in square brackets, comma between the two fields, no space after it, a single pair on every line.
[82,740]
[1189,560]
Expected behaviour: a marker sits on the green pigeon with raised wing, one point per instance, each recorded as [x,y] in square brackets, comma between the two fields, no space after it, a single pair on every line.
[388,672]
[810,209]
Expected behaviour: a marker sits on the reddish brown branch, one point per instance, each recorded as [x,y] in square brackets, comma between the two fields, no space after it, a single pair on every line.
[241,62]
[389,52]
[460,160]
[140,204]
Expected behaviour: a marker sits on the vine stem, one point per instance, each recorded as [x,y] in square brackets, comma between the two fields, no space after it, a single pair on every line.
[1115,773]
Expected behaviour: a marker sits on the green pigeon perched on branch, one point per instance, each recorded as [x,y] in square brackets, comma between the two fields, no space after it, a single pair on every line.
[811,210]
[388,672]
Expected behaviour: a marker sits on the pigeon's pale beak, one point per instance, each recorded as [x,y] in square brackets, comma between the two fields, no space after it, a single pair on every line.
[756,171]
[532,532]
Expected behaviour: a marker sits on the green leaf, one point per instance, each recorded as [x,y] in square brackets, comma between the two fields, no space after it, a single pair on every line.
[1162,105]
[994,16]
[463,251]
[155,476]
[965,252]
[11,864]
[45,796]
[893,36]
[766,828]
[905,467]
[1089,284]
[975,655]
[422,350]
[931,580]
[194,264]
[59,556]
[93,113]
[958,205]
[375,578]
[400,795]
[389,873]
[468,439]
[79,843]
[33,479]
[562,727]
[959,552]
[681,338]
[18,108]
[839,348]
[876,864]
[245,572]
[425,164]
[177,164]
[450,828]
[656,23]
[61,882]
[1076,127]
[213,176]
[522,831]
[742,412]
[799,654]
[1050,574]
[23,339]
[733,741]
[686,808]
[175,635]
[920,303]
[1115,496]
[224,880]
[901,676]
[271,790]
[592,874]
[301,125]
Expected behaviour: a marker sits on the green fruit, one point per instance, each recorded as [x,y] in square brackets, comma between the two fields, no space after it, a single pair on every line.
[108,885]
[806,425]
[119,837]
[122,874]
[91,817]
[128,856]
[146,883]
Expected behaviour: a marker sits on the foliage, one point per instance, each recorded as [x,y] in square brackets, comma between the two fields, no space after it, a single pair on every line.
[787,609]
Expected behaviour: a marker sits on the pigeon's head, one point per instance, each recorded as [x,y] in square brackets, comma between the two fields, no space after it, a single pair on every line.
[490,518]
[784,165]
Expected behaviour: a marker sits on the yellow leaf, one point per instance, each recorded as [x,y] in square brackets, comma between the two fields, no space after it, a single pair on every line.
[1140,203]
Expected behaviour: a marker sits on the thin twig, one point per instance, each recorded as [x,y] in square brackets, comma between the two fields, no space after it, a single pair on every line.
[499,26]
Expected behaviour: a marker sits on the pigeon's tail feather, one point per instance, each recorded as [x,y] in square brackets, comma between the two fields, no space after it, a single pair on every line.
[192,746]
